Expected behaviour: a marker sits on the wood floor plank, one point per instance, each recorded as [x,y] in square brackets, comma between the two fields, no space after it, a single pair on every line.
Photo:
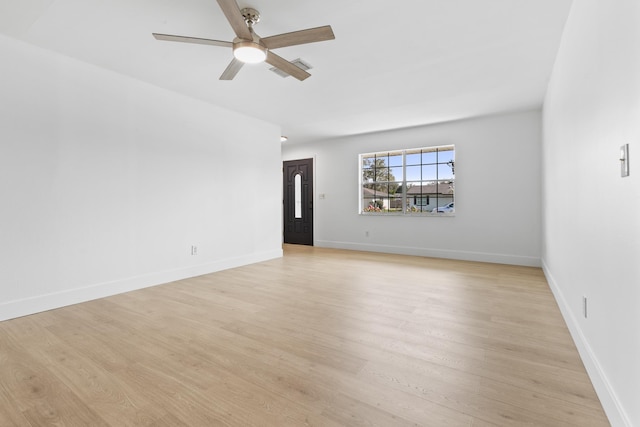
[566,412]
[40,396]
[320,337]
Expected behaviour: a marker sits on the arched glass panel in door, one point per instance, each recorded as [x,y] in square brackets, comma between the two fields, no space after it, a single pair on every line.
[298,195]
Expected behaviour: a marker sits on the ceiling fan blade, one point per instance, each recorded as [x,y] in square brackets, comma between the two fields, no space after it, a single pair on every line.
[310,35]
[286,66]
[232,70]
[197,40]
[235,18]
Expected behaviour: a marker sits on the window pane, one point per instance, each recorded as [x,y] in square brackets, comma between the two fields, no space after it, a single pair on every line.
[372,205]
[382,174]
[382,190]
[444,205]
[445,155]
[445,171]
[395,188]
[430,172]
[375,190]
[395,159]
[414,173]
[429,157]
[395,204]
[446,188]
[395,173]
[368,191]
[430,188]
[367,161]
[381,160]
[367,175]
[413,158]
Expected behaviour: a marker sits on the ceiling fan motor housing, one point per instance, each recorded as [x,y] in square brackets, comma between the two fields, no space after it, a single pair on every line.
[250,51]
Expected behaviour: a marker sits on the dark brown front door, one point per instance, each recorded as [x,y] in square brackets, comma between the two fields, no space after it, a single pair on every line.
[298,201]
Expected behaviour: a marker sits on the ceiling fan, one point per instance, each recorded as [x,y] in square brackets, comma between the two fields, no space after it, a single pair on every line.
[248,47]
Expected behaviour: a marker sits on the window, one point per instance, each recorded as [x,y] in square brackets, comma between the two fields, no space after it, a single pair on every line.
[421,200]
[412,181]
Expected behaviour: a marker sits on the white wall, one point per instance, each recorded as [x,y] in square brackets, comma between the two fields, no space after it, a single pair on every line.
[592,215]
[497,192]
[106,182]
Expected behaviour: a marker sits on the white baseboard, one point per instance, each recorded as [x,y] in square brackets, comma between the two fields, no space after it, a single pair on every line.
[37,304]
[608,398]
[434,253]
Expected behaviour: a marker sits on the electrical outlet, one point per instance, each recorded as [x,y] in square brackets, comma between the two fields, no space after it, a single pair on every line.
[194,250]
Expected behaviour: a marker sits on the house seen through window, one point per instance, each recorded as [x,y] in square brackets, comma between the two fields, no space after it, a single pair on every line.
[412,181]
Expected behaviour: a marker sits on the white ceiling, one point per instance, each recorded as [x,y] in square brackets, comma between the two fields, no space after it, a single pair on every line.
[392,64]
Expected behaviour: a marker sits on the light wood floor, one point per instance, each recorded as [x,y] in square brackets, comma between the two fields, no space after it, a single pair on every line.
[318,338]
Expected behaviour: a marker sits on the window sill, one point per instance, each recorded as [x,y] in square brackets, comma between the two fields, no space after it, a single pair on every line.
[411,214]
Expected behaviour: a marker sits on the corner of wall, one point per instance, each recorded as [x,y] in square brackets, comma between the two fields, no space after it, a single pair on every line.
[607,395]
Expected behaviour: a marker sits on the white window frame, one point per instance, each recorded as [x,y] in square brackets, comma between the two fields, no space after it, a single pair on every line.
[375,205]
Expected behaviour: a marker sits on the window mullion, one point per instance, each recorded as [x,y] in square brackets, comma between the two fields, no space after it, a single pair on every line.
[404,182]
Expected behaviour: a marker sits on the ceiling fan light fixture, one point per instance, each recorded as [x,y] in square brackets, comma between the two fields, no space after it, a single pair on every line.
[250,48]
[249,52]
